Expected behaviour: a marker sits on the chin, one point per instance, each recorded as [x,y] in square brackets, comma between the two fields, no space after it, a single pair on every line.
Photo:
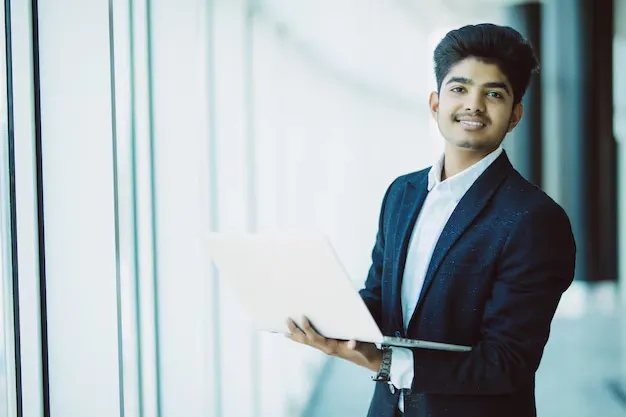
[474,145]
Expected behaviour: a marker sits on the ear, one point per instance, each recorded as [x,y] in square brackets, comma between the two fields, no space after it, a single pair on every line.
[433,102]
[516,116]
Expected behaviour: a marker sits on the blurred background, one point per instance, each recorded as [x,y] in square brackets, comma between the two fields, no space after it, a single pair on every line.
[131,128]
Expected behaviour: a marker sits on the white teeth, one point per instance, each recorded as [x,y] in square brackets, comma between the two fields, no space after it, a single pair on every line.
[471,123]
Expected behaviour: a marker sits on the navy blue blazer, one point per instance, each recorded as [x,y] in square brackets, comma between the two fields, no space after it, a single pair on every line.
[494,281]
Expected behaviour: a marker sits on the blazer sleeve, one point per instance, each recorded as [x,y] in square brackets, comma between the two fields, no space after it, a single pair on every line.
[371,293]
[536,266]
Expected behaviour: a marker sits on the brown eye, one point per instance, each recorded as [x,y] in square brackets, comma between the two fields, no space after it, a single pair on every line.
[457,90]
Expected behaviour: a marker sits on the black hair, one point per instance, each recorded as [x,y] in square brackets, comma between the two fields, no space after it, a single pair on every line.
[499,45]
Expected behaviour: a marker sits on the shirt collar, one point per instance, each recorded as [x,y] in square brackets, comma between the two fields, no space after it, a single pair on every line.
[458,184]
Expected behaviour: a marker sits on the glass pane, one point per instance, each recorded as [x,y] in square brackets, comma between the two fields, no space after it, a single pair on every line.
[6,339]
[6,306]
[7,356]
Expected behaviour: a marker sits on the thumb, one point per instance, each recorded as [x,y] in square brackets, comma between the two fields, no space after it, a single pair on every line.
[351,344]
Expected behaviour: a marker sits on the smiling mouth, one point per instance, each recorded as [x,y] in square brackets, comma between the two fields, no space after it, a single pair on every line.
[471,123]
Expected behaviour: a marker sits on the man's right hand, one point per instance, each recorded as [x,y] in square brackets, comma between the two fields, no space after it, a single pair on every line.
[363,354]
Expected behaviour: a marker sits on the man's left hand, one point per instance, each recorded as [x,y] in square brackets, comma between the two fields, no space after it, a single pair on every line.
[363,354]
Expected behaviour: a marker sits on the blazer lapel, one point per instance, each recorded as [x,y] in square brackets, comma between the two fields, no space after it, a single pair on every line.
[412,201]
[469,207]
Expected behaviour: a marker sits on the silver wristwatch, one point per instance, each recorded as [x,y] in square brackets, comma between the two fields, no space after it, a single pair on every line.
[385,366]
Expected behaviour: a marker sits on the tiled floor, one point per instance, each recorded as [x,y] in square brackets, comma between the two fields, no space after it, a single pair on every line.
[582,365]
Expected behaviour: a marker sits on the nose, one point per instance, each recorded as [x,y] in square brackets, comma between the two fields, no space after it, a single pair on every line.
[475,103]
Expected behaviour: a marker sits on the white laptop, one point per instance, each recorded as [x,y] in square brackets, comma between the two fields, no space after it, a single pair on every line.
[281,276]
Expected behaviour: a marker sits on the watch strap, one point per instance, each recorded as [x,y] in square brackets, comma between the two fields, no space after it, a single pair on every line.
[384,372]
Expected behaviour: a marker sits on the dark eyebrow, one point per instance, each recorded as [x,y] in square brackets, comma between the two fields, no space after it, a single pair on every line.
[497,85]
[469,81]
[460,80]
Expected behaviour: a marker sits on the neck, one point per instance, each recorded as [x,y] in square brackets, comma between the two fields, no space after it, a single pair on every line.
[459,159]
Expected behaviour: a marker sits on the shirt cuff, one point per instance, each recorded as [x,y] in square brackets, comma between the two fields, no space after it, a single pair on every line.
[401,373]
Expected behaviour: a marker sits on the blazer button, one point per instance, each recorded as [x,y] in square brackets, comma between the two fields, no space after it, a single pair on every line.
[392,389]
[397,333]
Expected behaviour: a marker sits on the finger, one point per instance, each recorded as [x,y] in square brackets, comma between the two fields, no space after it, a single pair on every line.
[329,346]
[293,328]
[310,332]
[295,332]
[291,325]
[351,344]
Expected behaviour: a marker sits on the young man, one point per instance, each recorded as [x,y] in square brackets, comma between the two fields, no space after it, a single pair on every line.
[468,252]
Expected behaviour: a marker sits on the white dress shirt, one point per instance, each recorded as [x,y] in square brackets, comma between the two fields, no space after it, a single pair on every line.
[442,199]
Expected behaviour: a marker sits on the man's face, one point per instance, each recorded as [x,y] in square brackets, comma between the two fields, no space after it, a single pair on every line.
[474,108]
